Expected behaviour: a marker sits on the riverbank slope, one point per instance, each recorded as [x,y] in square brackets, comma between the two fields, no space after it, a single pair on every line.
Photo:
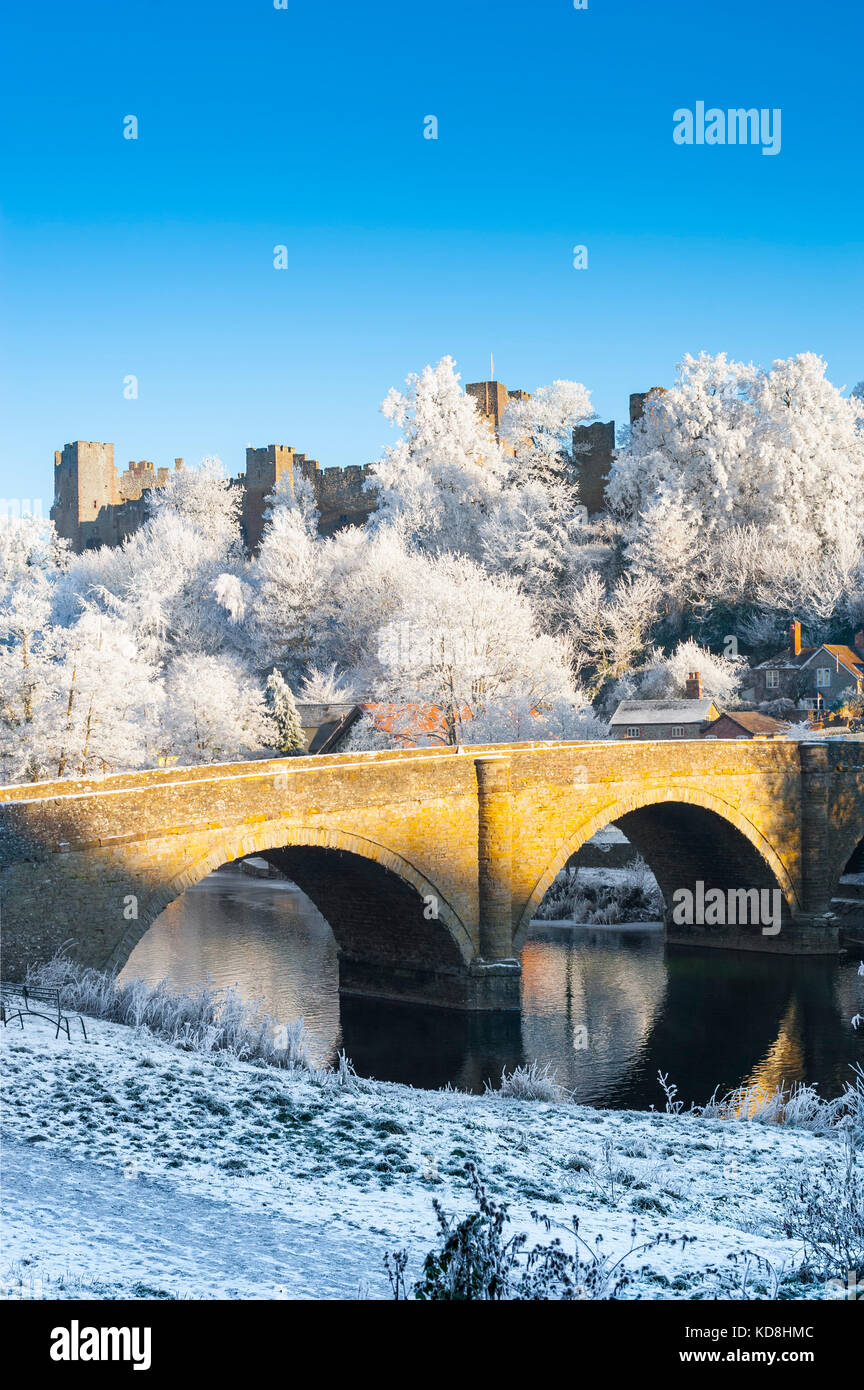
[134,1169]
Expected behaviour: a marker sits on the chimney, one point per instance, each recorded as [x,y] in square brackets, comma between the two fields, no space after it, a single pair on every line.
[795,636]
[858,640]
[693,686]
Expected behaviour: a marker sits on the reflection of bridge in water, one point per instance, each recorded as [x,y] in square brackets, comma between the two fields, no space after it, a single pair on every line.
[427,863]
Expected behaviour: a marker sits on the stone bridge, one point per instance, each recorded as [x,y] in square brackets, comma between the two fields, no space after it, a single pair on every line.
[428,864]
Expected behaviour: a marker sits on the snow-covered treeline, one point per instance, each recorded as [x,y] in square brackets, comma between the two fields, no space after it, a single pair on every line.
[476,589]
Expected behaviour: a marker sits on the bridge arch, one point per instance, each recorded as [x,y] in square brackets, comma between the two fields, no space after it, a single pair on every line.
[635,811]
[848,855]
[356,869]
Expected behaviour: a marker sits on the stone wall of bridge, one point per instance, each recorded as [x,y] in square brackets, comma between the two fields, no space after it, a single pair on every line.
[428,864]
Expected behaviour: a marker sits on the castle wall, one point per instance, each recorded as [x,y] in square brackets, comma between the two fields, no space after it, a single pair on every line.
[95,506]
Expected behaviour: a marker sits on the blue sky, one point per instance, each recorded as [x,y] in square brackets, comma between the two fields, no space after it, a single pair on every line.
[304,127]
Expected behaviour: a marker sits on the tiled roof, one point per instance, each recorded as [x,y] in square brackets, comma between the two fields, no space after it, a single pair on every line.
[853,661]
[753,722]
[664,712]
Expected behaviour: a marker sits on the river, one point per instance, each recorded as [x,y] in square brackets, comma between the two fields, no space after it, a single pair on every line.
[606,1007]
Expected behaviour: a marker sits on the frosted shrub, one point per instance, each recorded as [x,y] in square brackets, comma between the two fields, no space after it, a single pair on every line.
[632,897]
[530,1082]
[797,1105]
[825,1211]
[476,1262]
[200,1019]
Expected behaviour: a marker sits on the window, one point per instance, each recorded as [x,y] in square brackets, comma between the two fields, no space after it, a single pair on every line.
[633,731]
[678,731]
[823,676]
[772,680]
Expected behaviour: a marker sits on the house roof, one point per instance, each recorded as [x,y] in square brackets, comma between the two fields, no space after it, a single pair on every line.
[664,712]
[786,660]
[751,721]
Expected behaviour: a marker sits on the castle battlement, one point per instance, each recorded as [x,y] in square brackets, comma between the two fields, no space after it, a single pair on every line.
[94,505]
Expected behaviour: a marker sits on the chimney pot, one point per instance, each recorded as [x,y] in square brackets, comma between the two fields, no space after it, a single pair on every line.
[795,634]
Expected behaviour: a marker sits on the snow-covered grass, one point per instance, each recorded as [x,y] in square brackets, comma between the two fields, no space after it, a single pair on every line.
[135,1167]
[603,896]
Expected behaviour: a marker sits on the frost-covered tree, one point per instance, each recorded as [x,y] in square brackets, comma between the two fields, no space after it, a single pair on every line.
[609,626]
[108,701]
[538,429]
[365,736]
[534,534]
[205,498]
[520,721]
[289,579]
[756,583]
[326,687]
[437,484]
[289,734]
[734,444]
[214,711]
[535,529]
[31,559]
[367,578]
[664,676]
[463,641]
[179,583]
[667,550]
[742,491]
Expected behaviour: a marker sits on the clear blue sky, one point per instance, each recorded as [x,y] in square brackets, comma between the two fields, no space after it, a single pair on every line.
[304,126]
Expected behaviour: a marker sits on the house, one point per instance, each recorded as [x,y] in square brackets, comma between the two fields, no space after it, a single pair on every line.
[405,725]
[814,677]
[744,724]
[667,718]
[318,721]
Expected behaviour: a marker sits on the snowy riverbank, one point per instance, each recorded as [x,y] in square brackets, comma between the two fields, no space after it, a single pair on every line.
[133,1169]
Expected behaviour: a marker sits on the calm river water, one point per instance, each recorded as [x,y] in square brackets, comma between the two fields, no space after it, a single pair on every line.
[607,1008]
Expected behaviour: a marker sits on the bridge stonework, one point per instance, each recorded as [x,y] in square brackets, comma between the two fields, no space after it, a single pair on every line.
[428,864]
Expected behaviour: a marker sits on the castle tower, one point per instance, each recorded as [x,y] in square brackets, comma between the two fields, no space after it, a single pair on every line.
[264,469]
[86,487]
[592,453]
[638,399]
[492,398]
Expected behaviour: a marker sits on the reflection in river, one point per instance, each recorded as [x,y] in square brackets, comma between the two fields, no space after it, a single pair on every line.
[607,1007]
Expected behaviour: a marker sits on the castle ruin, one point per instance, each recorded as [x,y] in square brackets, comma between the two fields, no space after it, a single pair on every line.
[593,446]
[94,505]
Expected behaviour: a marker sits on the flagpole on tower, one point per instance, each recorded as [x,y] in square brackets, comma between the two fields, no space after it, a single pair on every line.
[491,367]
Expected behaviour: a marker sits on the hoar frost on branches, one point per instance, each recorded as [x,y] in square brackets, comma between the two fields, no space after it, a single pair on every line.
[475,604]
[743,485]
[439,482]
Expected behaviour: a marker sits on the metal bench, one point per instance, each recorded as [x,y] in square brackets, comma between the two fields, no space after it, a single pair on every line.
[16,1001]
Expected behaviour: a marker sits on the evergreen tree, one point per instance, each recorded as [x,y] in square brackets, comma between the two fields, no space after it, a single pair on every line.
[290,737]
